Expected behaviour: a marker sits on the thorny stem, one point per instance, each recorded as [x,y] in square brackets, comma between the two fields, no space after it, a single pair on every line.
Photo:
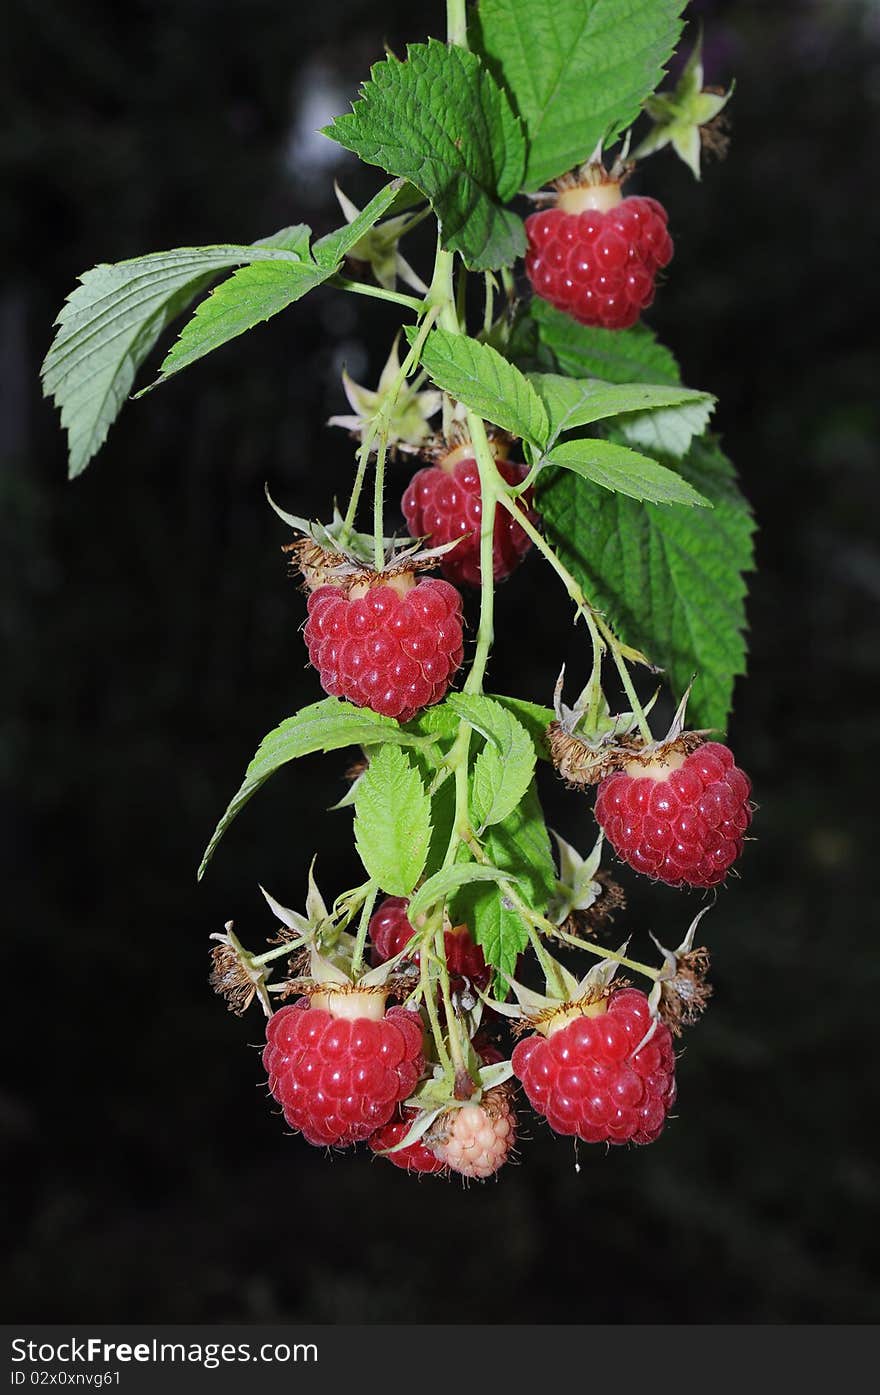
[430,1002]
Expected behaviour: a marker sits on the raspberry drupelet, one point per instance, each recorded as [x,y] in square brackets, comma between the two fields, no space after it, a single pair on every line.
[339,1064]
[680,819]
[586,1072]
[392,644]
[596,254]
[443,502]
[476,1139]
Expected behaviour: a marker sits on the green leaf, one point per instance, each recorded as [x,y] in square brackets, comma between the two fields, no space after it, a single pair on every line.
[239,303]
[490,385]
[667,430]
[392,825]
[577,70]
[615,355]
[572,403]
[449,880]
[256,293]
[111,321]
[502,772]
[671,580]
[519,845]
[324,726]
[535,718]
[441,121]
[500,778]
[329,251]
[625,471]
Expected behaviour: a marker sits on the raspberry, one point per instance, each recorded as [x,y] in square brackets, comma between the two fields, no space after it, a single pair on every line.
[339,1072]
[416,1157]
[598,263]
[442,502]
[585,1080]
[393,648]
[390,932]
[680,819]
[476,1139]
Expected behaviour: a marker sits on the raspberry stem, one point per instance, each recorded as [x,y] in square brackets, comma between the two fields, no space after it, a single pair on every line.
[342,283]
[357,957]
[603,953]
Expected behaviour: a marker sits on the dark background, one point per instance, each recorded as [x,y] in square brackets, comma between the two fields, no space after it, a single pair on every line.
[150,640]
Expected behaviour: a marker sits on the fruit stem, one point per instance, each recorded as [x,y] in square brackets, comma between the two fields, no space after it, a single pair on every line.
[379,503]
[602,953]
[382,417]
[620,663]
[489,493]
[258,960]
[430,1001]
[357,957]
[342,283]
[456,22]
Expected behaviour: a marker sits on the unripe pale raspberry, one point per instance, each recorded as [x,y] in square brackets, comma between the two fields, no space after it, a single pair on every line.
[599,264]
[443,502]
[339,1078]
[416,1157]
[394,649]
[680,819]
[584,1078]
[476,1139]
[390,932]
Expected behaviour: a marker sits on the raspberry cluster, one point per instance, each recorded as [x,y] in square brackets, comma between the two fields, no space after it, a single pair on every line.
[443,502]
[591,1077]
[339,1078]
[598,265]
[394,649]
[680,819]
[390,932]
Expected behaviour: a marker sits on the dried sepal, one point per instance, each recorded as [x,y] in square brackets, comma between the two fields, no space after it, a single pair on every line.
[235,976]
[681,991]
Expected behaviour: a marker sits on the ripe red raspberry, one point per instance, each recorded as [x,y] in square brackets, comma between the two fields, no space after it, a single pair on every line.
[595,255]
[680,819]
[416,1157]
[476,1139]
[390,932]
[443,502]
[584,1078]
[393,647]
[340,1071]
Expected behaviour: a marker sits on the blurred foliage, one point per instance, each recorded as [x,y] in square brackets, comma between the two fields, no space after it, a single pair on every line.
[151,639]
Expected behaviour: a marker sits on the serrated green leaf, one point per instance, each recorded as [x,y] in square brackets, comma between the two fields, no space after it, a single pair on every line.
[577,70]
[576,402]
[667,430]
[490,385]
[615,355]
[671,580]
[624,471]
[451,879]
[392,825]
[535,718]
[502,772]
[111,321]
[441,121]
[519,845]
[330,250]
[249,297]
[324,726]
